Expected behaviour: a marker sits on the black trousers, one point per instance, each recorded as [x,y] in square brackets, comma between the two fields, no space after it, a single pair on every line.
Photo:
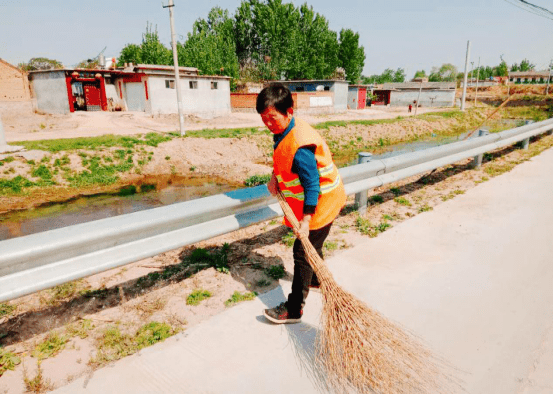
[303,273]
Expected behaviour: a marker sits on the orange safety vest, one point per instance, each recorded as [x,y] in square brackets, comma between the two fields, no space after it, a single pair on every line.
[332,196]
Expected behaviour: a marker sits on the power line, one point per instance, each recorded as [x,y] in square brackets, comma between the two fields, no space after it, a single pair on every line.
[532,8]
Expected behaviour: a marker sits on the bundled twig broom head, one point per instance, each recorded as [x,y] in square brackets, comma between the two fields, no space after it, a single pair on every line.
[359,349]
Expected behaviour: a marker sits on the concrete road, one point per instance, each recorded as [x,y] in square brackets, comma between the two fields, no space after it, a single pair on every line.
[473,278]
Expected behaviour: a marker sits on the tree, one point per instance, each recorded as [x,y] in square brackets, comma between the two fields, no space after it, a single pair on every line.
[150,51]
[40,64]
[446,73]
[350,55]
[525,65]
[387,76]
[211,47]
[420,74]
[88,64]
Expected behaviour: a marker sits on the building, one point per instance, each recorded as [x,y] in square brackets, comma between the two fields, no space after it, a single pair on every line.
[338,88]
[529,77]
[143,88]
[432,94]
[14,85]
[357,97]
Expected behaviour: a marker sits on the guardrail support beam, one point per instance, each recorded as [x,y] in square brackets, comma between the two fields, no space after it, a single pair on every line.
[361,197]
[526,142]
[477,161]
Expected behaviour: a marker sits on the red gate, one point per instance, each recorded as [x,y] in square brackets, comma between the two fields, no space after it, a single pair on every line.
[92,96]
[362,98]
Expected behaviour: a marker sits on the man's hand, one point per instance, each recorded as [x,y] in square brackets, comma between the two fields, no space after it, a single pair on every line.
[272,186]
[303,231]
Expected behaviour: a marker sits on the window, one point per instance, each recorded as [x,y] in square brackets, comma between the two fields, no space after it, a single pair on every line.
[214,85]
[193,84]
[170,84]
[300,89]
[327,88]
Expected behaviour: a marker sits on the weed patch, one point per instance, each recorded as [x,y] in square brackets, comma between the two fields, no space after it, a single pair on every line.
[237,297]
[403,201]
[289,239]
[257,180]
[80,329]
[197,296]
[38,384]
[8,361]
[365,227]
[276,272]
[50,346]
[6,309]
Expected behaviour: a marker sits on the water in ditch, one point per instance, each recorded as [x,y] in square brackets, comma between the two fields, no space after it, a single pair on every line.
[85,209]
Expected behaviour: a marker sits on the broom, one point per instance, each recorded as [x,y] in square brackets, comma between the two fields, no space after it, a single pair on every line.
[359,349]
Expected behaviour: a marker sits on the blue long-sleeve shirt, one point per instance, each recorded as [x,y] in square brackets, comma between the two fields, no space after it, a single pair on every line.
[305,166]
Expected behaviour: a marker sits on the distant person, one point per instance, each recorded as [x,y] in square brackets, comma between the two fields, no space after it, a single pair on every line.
[410,107]
[305,173]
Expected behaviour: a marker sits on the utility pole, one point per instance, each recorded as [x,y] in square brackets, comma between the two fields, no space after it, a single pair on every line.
[548,78]
[465,78]
[418,99]
[471,71]
[176,63]
[477,78]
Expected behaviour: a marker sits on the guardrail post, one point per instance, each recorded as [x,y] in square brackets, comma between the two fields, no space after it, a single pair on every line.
[361,197]
[477,161]
[526,142]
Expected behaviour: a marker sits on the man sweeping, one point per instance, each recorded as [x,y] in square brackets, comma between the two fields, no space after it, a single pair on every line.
[305,173]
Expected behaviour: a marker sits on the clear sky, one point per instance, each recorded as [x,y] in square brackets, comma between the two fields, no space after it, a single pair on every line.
[395,33]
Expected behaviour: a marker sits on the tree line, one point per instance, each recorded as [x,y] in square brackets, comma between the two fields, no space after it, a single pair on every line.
[263,40]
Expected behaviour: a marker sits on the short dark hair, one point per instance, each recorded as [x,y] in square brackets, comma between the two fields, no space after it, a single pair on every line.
[275,95]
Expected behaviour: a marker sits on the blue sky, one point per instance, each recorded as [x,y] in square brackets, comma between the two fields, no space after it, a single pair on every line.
[395,33]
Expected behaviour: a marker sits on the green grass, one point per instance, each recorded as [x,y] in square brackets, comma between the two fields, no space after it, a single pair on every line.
[226,133]
[8,361]
[6,309]
[276,272]
[63,292]
[395,191]
[263,282]
[425,208]
[114,344]
[402,201]
[237,297]
[80,329]
[95,143]
[50,346]
[15,185]
[289,239]
[197,296]
[452,194]
[257,180]
[376,199]
[365,227]
[330,245]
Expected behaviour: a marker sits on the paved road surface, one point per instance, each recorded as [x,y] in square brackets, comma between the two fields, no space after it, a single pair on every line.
[473,278]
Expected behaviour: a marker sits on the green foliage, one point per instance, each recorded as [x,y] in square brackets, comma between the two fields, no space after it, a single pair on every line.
[420,74]
[525,65]
[36,64]
[8,361]
[367,228]
[217,259]
[377,199]
[388,75]
[257,180]
[15,185]
[403,201]
[425,208]
[150,51]
[42,172]
[152,333]
[351,56]
[197,296]
[50,346]
[210,46]
[289,239]
[80,329]
[6,309]
[237,297]
[276,272]
[447,72]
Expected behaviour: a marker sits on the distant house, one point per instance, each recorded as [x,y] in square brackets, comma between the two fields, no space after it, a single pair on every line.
[143,88]
[14,85]
[526,77]
[338,88]
[432,94]
[357,97]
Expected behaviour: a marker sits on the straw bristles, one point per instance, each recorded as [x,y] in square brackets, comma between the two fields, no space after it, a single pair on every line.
[362,351]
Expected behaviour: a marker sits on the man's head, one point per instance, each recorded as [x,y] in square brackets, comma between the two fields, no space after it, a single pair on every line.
[276,107]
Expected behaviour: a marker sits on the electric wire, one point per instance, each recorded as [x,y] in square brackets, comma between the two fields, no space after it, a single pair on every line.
[531,8]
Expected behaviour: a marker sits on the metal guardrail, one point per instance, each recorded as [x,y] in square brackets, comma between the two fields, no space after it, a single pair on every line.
[31,263]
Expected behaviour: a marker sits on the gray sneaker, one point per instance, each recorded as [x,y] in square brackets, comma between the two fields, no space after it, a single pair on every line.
[280,315]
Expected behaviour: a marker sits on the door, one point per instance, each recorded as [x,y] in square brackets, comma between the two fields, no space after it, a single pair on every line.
[362,99]
[93,100]
[135,96]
